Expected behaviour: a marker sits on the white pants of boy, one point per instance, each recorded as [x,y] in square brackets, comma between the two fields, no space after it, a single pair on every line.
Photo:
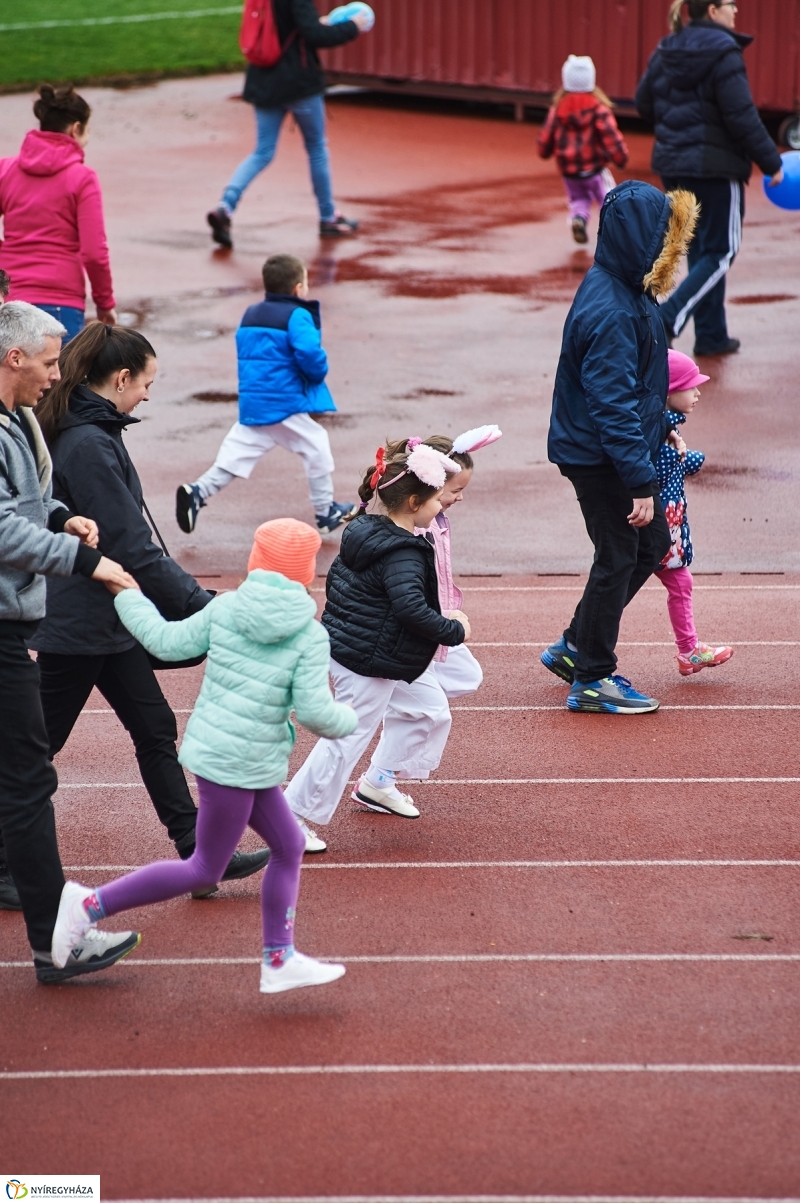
[244,446]
[416,724]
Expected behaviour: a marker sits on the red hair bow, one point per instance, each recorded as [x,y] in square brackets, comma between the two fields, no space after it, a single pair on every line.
[380,468]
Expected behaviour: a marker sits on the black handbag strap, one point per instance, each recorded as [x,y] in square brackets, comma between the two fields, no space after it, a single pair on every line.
[156,531]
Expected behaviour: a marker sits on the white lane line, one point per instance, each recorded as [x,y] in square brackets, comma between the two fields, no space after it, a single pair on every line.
[540,1067]
[644,643]
[678,706]
[514,781]
[537,958]
[132,19]
[506,864]
[581,585]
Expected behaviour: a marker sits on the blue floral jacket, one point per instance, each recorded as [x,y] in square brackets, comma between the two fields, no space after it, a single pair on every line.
[671,471]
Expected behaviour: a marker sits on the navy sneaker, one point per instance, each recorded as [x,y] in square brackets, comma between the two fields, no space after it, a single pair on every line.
[612,695]
[327,523]
[188,504]
[220,221]
[729,347]
[560,660]
[339,226]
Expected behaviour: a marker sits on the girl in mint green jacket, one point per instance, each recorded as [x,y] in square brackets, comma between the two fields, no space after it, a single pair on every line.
[267,656]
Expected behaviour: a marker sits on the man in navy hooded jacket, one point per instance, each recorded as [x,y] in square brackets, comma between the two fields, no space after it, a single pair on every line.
[607,424]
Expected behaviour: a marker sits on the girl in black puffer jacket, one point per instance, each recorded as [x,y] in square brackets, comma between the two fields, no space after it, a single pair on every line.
[385,624]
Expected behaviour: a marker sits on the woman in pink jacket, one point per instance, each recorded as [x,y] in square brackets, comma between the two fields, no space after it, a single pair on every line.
[52,208]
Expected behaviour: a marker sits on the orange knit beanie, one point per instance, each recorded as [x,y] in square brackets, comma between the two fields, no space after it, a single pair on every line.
[286,546]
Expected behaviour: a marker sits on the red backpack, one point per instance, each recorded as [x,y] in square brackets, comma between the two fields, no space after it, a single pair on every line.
[258,36]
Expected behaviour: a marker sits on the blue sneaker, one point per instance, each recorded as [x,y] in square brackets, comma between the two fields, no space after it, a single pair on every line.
[328,523]
[188,504]
[612,695]
[560,660]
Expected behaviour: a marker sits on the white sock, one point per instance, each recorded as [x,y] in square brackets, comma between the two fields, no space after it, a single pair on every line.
[213,480]
[381,778]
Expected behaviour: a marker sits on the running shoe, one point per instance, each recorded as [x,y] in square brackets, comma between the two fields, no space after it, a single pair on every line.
[313,841]
[328,523]
[298,970]
[97,950]
[241,864]
[729,347]
[72,922]
[579,230]
[338,227]
[188,504]
[384,801]
[9,898]
[220,221]
[560,660]
[703,656]
[611,695]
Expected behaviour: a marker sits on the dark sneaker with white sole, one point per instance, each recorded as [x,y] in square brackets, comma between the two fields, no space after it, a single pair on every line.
[328,523]
[611,695]
[338,227]
[560,659]
[241,864]
[220,221]
[9,898]
[96,950]
[729,347]
[188,504]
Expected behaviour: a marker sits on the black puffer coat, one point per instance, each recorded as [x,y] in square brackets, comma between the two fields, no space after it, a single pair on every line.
[298,72]
[383,613]
[696,94]
[93,475]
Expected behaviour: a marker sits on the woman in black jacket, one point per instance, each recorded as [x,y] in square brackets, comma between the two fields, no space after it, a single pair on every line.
[708,134]
[105,373]
[294,85]
[385,624]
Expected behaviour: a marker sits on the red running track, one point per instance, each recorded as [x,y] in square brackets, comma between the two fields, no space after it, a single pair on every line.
[576,975]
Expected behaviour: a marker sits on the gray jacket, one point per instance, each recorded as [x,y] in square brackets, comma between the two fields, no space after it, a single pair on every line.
[28,550]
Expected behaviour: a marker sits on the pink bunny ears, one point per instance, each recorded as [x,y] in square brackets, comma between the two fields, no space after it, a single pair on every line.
[473,440]
[427,464]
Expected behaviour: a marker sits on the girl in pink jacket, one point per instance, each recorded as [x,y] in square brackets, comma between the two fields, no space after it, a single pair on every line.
[52,208]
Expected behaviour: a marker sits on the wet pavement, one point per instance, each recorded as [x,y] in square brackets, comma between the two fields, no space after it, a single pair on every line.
[444,313]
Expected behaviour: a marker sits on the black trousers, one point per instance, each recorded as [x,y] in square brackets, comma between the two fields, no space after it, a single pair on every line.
[127,682]
[624,557]
[27,784]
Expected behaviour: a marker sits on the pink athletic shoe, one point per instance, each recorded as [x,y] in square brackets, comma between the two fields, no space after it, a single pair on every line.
[703,656]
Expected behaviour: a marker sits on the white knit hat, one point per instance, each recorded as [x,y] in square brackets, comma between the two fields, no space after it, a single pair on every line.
[578,74]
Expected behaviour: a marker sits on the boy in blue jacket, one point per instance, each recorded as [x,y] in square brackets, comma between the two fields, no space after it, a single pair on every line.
[282,370]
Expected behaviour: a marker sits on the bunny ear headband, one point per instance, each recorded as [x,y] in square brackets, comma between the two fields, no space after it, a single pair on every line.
[426,463]
[473,440]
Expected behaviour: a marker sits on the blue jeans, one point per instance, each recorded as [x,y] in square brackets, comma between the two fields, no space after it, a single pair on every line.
[72,319]
[310,116]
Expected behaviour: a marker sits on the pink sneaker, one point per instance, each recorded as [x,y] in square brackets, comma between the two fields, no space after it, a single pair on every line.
[703,656]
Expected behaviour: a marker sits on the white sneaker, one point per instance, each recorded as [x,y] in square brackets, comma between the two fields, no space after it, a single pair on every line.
[298,971]
[313,842]
[97,950]
[72,922]
[385,801]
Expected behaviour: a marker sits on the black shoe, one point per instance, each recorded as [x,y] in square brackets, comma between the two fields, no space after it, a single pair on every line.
[241,864]
[188,504]
[9,898]
[579,230]
[97,950]
[338,227]
[728,348]
[220,222]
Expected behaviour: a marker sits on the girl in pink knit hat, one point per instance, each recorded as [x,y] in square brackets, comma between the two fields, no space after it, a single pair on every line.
[673,465]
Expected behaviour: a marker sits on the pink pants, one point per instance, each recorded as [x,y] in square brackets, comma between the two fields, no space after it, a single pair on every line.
[581,193]
[678,584]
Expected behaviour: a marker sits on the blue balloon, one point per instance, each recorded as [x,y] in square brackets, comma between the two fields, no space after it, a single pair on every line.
[347,11]
[786,195]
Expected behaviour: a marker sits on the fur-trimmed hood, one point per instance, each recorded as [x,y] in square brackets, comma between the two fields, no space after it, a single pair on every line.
[643,234]
[680,232]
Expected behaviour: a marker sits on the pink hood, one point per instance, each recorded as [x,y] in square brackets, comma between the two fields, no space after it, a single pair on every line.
[53,229]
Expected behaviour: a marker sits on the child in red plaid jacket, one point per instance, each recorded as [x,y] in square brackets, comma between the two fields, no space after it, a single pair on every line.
[585,137]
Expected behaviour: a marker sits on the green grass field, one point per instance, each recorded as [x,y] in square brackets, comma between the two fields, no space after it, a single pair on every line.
[185,44]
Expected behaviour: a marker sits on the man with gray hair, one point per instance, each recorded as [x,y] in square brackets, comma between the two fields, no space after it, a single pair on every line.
[38,537]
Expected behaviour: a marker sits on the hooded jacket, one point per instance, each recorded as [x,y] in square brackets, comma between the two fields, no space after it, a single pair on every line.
[267,656]
[282,366]
[696,94]
[93,475]
[53,228]
[672,471]
[298,72]
[612,378]
[382,612]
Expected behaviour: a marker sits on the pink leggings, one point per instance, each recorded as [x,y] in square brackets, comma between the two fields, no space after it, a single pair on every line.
[581,193]
[223,815]
[678,584]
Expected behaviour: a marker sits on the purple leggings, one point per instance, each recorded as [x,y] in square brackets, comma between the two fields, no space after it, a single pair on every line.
[223,815]
[581,193]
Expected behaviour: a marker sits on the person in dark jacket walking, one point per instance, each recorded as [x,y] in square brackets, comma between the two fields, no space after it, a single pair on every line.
[385,625]
[607,426]
[708,134]
[39,537]
[105,373]
[295,85]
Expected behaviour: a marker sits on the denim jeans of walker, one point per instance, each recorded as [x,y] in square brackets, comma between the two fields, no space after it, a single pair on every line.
[310,117]
[72,319]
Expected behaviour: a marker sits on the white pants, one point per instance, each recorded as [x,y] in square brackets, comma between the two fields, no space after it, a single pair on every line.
[416,724]
[244,446]
[460,673]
